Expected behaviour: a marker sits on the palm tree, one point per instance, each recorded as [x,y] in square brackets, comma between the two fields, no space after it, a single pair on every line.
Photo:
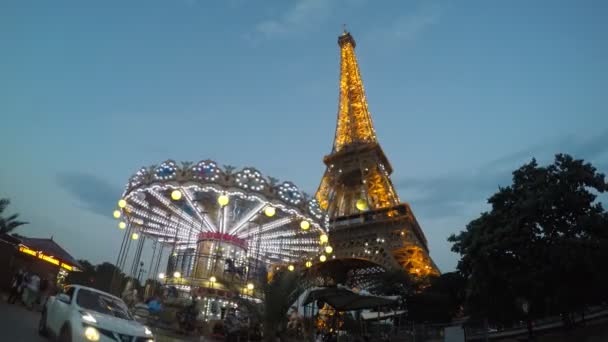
[280,293]
[10,223]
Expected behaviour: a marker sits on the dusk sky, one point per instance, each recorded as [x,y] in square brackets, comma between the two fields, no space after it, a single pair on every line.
[461,94]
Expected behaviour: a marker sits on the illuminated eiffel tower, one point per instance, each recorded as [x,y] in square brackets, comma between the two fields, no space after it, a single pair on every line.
[367,219]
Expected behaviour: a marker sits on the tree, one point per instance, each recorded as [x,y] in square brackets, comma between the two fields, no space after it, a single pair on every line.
[439,302]
[8,224]
[543,243]
[280,293]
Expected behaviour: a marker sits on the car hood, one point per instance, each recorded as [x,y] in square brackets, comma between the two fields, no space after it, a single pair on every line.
[118,325]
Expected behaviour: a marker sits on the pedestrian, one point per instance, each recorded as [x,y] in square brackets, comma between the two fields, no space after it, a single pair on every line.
[16,286]
[45,289]
[232,326]
[32,288]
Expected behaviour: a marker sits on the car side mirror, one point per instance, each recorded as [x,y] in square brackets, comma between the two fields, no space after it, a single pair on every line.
[62,297]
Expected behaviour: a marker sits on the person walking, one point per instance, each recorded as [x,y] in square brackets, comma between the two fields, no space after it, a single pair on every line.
[32,289]
[16,286]
[45,289]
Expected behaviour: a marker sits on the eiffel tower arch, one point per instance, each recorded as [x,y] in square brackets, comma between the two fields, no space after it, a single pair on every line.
[367,220]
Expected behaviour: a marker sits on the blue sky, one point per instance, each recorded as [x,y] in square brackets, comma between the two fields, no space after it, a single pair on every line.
[461,92]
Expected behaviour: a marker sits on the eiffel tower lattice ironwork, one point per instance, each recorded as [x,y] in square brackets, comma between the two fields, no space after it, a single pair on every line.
[367,219]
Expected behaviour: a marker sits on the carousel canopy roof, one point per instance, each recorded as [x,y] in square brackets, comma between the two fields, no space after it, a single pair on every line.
[179,203]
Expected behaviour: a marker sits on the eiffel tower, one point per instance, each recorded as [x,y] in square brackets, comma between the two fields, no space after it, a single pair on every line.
[367,219]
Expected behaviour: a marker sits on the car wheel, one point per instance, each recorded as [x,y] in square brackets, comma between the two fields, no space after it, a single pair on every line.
[42,330]
[65,335]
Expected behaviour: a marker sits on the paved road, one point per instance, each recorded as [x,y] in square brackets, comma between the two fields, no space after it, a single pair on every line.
[18,324]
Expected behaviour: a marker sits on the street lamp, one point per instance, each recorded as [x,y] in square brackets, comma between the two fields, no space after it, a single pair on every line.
[250,286]
[177,275]
[161,276]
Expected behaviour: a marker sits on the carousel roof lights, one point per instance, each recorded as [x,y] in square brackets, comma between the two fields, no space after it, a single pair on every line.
[250,199]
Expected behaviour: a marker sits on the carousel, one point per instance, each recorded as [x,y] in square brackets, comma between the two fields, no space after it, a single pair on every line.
[217,233]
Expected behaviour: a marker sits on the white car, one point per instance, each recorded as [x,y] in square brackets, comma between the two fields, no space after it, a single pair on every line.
[84,314]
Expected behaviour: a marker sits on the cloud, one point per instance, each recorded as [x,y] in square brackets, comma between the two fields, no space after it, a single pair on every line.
[410,26]
[458,194]
[93,193]
[302,16]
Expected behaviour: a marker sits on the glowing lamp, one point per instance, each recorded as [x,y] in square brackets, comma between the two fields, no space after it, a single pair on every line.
[223,200]
[116,213]
[176,195]
[122,203]
[361,204]
[323,258]
[328,249]
[135,236]
[250,286]
[212,279]
[308,264]
[269,211]
[177,275]
[122,225]
[304,225]
[161,276]
[324,238]
[291,268]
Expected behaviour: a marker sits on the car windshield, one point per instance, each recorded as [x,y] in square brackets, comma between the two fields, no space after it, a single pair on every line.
[101,303]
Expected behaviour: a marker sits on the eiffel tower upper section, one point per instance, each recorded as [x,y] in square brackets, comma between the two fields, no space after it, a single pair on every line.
[357,184]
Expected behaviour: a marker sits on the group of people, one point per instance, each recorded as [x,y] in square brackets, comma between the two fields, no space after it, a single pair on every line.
[29,289]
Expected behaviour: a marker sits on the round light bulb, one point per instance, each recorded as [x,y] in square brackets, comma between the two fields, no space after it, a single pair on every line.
[324,238]
[322,258]
[250,286]
[308,264]
[291,268]
[269,211]
[329,249]
[361,204]
[177,275]
[223,200]
[161,276]
[176,195]
[122,225]
[212,279]
[135,236]
[122,203]
[116,213]
[304,225]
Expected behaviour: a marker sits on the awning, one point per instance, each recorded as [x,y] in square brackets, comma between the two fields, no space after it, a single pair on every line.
[344,299]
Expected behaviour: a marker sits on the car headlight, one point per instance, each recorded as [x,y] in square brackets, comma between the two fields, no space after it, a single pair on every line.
[147,331]
[91,334]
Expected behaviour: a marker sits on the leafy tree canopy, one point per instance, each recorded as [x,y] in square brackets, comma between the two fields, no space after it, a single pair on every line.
[544,242]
